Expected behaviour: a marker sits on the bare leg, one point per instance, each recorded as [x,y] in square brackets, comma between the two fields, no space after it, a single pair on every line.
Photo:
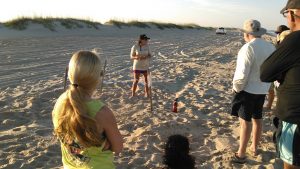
[257,130]
[146,84]
[245,133]
[288,166]
[271,97]
[135,82]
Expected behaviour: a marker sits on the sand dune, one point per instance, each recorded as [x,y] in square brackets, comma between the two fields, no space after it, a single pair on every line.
[196,66]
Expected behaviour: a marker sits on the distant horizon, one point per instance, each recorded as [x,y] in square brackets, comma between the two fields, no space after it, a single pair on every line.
[218,13]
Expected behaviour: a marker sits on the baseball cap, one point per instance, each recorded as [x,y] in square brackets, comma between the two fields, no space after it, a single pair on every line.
[144,37]
[291,4]
[253,27]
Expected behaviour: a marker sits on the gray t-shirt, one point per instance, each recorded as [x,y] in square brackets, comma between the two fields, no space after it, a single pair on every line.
[144,51]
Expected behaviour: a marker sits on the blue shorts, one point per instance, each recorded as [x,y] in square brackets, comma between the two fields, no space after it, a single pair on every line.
[288,143]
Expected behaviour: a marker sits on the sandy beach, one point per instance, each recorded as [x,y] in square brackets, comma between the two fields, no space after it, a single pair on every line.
[195,65]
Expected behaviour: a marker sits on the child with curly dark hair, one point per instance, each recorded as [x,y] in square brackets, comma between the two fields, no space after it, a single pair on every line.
[177,153]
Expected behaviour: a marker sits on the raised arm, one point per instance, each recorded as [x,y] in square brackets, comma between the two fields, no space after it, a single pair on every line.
[107,121]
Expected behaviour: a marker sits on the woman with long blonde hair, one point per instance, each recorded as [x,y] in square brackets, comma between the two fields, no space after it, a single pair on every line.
[86,128]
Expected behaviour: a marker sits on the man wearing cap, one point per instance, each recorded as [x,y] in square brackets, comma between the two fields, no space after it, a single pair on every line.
[249,91]
[284,66]
[281,32]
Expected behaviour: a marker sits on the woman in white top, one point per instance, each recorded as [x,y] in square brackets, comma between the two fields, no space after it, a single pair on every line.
[140,54]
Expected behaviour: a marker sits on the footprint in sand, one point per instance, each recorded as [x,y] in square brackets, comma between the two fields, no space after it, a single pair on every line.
[44,132]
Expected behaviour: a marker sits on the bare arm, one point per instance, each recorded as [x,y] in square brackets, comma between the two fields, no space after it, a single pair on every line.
[134,56]
[107,121]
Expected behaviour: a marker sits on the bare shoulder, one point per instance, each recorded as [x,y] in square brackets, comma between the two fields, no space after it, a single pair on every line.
[105,115]
[60,102]
[134,47]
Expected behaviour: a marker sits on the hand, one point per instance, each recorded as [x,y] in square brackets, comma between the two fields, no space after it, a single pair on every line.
[135,58]
[141,57]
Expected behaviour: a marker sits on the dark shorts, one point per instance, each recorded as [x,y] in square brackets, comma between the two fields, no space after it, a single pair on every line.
[288,140]
[140,71]
[247,106]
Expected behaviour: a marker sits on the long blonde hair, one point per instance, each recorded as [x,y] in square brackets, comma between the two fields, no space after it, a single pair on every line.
[73,121]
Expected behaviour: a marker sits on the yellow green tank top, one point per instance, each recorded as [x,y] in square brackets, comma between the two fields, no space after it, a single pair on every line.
[74,157]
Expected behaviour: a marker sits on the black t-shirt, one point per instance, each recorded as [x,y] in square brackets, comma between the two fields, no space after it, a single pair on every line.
[284,66]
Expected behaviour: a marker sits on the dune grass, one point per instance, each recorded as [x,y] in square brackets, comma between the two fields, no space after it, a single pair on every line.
[71,23]
[23,23]
[138,24]
[50,23]
[116,23]
[159,25]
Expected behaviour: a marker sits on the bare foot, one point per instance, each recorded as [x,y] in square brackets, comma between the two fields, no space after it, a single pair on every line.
[240,155]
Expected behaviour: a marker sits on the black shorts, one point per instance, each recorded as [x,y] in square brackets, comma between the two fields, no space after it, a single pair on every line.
[247,106]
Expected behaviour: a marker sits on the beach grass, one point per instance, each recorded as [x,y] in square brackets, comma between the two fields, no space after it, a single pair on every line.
[50,23]
[159,25]
[138,24]
[70,23]
[116,23]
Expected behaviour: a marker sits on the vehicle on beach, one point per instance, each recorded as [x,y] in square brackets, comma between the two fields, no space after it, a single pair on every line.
[221,31]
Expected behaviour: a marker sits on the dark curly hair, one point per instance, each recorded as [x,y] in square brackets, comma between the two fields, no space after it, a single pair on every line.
[177,153]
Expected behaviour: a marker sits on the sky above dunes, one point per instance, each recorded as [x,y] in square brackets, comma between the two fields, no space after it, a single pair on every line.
[229,13]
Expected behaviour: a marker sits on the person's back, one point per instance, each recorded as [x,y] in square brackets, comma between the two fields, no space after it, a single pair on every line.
[250,91]
[77,156]
[260,50]
[86,128]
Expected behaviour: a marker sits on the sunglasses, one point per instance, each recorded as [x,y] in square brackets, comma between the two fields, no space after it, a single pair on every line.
[285,13]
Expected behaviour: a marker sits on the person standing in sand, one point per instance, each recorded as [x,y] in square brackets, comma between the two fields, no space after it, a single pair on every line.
[284,66]
[276,84]
[85,127]
[141,55]
[281,32]
[250,92]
